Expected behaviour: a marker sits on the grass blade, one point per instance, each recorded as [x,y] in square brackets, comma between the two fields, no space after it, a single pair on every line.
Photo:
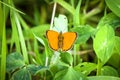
[22,41]
[66,6]
[12,7]
[4,47]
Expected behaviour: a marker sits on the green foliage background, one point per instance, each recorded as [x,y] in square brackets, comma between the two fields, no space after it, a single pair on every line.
[24,50]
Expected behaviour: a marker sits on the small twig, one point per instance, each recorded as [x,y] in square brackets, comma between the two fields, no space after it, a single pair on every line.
[83,52]
[53,15]
[46,62]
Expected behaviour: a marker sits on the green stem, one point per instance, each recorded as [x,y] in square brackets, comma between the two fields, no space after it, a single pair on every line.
[72,2]
[76,49]
[74,55]
[99,66]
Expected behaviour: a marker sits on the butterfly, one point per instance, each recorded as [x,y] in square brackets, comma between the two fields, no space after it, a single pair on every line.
[61,41]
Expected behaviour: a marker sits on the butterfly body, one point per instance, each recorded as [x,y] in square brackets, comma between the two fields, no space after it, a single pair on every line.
[61,41]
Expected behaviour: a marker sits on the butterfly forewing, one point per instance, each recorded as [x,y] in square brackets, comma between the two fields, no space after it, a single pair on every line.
[53,39]
[69,39]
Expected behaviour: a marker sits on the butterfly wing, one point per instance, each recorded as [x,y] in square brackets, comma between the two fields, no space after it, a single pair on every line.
[69,39]
[52,37]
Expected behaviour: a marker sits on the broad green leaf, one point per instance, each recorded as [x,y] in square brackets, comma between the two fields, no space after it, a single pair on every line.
[14,60]
[69,74]
[22,74]
[59,61]
[103,78]
[66,58]
[63,64]
[110,19]
[104,43]
[114,5]
[60,23]
[117,45]
[84,32]
[54,68]
[34,69]
[37,30]
[114,60]
[108,71]
[85,68]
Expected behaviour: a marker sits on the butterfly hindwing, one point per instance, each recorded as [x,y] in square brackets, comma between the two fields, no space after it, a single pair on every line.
[69,39]
[53,39]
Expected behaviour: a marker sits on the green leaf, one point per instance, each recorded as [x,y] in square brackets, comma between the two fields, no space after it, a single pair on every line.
[4,12]
[37,30]
[117,45]
[21,37]
[54,68]
[22,74]
[104,43]
[69,74]
[14,60]
[15,37]
[84,32]
[110,19]
[23,23]
[66,6]
[108,71]
[114,5]
[34,69]
[76,17]
[85,68]
[43,41]
[11,7]
[103,78]
[67,58]
[114,60]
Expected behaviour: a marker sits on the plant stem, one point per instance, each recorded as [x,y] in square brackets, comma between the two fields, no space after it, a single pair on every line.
[74,55]
[72,2]
[99,66]
[53,15]
[76,49]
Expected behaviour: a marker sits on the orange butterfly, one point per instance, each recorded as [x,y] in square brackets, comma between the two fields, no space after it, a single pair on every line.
[62,41]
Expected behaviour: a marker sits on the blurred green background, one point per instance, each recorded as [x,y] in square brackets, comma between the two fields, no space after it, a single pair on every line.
[24,50]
